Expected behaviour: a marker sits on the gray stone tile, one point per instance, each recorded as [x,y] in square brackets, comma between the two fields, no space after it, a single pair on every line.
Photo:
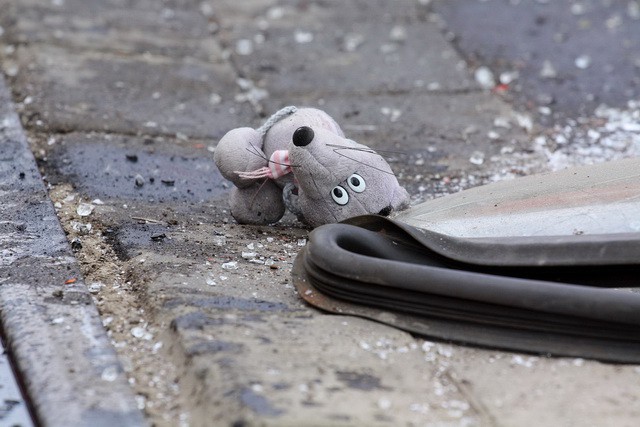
[341,47]
[160,28]
[62,91]
[253,353]
[125,168]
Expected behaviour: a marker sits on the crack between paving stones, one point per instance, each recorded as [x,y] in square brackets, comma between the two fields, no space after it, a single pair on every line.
[476,403]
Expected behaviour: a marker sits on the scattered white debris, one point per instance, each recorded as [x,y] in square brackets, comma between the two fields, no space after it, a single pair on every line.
[231,265]
[109,373]
[578,9]
[583,62]
[215,99]
[524,121]
[527,362]
[477,158]
[633,10]
[392,113]
[352,42]
[616,135]
[384,403]
[85,209]
[94,287]
[141,401]
[485,78]
[427,346]
[493,135]
[138,332]
[444,350]
[206,9]
[251,93]
[303,37]
[398,34]
[502,122]
[421,408]
[548,71]
[508,77]
[275,12]
[244,47]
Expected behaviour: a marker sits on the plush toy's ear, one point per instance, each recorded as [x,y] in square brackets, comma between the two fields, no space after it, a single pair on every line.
[240,150]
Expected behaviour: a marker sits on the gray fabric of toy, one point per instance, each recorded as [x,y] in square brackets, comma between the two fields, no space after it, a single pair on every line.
[300,160]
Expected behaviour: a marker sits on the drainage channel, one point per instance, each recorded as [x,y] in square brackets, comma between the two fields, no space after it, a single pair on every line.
[13,407]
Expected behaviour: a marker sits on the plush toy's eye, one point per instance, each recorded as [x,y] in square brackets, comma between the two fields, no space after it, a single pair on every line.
[340,195]
[356,182]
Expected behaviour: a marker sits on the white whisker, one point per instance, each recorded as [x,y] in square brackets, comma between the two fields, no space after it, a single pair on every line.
[358,161]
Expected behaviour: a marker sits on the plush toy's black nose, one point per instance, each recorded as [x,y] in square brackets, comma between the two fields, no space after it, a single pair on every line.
[303,136]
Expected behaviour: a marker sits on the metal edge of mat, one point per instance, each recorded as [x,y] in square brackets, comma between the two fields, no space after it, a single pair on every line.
[54,335]
[481,336]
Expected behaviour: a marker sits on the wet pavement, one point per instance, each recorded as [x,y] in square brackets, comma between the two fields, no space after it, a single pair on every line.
[123,120]
[556,60]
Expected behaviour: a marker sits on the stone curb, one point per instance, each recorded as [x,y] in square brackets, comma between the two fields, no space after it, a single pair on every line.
[53,331]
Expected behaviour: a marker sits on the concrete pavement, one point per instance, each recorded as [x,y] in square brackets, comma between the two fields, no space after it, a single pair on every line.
[200,310]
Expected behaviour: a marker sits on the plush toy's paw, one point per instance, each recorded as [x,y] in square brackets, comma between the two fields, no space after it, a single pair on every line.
[240,150]
[260,204]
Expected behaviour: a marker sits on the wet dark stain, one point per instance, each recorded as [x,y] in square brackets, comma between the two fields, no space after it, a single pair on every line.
[108,170]
[339,417]
[360,381]
[197,320]
[212,347]
[281,386]
[226,302]
[259,404]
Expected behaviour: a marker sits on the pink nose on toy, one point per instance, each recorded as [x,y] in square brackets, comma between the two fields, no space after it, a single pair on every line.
[303,136]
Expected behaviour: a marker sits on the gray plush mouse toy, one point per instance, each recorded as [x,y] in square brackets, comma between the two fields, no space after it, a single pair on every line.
[300,160]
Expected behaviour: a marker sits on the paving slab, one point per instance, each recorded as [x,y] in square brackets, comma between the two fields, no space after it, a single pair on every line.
[62,354]
[306,48]
[253,354]
[130,168]
[520,389]
[62,90]
[147,26]
[566,57]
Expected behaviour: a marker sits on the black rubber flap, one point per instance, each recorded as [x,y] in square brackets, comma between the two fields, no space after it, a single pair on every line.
[575,297]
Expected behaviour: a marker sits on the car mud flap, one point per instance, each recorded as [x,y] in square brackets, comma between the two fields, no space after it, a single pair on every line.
[562,295]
